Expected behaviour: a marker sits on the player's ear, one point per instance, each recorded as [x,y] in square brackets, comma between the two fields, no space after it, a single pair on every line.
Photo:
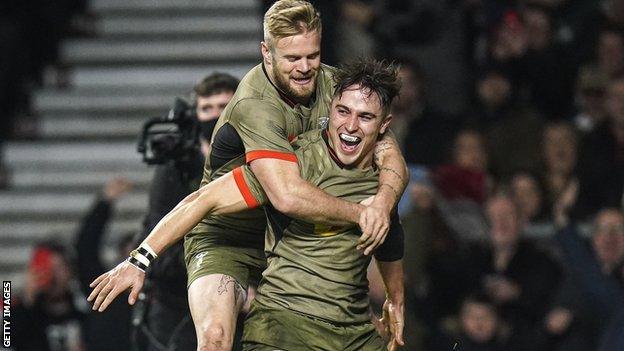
[385,123]
[266,53]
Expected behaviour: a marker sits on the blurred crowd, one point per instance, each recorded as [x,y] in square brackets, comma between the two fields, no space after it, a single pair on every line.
[511,117]
[52,313]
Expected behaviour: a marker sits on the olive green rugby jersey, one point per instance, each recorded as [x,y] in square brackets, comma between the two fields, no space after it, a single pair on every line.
[316,269]
[258,122]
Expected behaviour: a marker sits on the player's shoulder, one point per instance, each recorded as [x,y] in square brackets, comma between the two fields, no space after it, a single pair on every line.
[255,86]
[255,98]
[327,71]
[326,80]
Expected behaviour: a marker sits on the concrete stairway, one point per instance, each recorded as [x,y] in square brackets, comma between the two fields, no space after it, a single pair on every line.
[146,52]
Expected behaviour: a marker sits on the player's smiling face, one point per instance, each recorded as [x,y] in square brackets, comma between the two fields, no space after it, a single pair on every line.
[357,118]
[293,64]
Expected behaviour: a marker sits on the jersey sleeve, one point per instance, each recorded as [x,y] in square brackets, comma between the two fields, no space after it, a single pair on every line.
[262,128]
[392,249]
[249,187]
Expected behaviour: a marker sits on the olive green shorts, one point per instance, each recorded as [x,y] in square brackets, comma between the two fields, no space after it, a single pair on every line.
[269,329]
[204,255]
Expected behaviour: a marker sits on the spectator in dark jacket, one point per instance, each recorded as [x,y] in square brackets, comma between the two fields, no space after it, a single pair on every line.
[596,276]
[520,279]
[601,161]
[109,330]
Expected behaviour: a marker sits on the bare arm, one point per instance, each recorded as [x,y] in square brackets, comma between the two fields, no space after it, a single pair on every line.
[393,309]
[295,197]
[393,173]
[220,196]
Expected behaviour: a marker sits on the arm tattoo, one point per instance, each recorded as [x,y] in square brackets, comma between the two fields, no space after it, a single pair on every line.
[396,174]
[380,148]
[396,193]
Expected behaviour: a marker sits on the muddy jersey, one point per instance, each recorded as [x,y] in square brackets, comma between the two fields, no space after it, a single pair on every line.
[259,122]
[315,269]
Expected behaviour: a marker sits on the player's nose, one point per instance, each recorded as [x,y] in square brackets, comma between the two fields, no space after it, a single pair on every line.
[351,124]
[304,66]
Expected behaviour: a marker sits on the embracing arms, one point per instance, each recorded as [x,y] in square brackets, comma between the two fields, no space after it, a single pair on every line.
[218,197]
[295,197]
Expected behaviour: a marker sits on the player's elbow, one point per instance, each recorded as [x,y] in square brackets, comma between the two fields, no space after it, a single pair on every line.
[283,200]
[284,203]
[204,201]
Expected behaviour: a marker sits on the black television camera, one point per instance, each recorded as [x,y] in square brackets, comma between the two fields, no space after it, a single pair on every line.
[174,137]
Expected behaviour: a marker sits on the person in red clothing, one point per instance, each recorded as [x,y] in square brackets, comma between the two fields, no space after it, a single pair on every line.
[466,176]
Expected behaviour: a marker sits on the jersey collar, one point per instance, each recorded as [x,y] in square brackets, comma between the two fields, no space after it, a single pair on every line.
[332,153]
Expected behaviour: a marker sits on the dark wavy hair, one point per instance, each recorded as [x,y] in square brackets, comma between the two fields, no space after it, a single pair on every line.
[376,77]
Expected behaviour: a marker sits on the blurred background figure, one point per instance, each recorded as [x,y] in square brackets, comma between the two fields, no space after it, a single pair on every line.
[50,313]
[527,193]
[592,297]
[164,313]
[210,96]
[424,134]
[479,328]
[590,99]
[559,153]
[463,185]
[108,330]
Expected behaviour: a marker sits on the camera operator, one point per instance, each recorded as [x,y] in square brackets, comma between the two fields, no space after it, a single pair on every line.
[163,320]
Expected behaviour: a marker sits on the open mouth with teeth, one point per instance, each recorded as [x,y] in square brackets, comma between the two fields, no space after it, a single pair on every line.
[302,80]
[349,143]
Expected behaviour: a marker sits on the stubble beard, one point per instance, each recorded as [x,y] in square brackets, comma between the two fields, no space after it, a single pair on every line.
[301,96]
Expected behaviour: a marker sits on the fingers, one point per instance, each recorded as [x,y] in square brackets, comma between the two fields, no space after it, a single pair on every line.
[398,333]
[368,233]
[397,323]
[380,237]
[109,285]
[375,225]
[136,288]
[101,284]
[392,345]
[104,291]
[110,297]
[364,227]
[98,280]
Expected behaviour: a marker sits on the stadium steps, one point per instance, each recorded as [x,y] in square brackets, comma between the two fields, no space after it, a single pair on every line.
[149,76]
[214,7]
[179,27]
[141,51]
[145,53]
